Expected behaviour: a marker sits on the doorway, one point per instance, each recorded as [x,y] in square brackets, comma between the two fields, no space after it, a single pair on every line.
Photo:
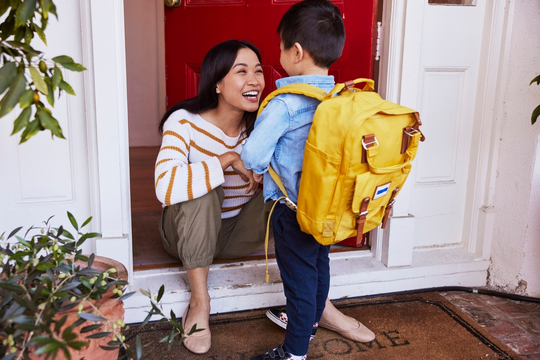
[147,24]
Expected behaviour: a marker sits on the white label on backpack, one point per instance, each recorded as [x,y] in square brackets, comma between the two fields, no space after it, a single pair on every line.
[381,190]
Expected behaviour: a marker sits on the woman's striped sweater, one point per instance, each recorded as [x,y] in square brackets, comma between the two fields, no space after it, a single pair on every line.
[187,166]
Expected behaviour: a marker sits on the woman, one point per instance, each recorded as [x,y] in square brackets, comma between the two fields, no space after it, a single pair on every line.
[211,206]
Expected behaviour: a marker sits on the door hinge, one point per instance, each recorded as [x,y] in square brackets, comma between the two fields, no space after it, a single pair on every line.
[378,43]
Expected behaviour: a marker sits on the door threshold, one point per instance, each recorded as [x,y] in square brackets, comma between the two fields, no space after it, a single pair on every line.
[239,286]
[254,257]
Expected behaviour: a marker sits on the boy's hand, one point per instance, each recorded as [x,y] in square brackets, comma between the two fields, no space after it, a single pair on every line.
[258,177]
[233,159]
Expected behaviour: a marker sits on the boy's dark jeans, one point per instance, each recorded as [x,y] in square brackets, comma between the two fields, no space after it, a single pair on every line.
[305,271]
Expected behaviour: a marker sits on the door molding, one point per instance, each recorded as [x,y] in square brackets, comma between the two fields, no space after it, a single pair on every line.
[480,215]
[107,127]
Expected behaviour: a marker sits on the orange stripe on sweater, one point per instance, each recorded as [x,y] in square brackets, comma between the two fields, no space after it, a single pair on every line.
[170,188]
[207,176]
[160,177]
[238,196]
[200,149]
[206,133]
[161,162]
[235,187]
[169,132]
[173,148]
[232,208]
[190,183]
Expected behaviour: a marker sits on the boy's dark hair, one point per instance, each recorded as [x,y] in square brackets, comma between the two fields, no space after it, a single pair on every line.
[216,64]
[317,26]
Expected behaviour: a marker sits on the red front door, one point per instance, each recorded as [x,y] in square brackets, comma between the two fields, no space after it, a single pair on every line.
[197,25]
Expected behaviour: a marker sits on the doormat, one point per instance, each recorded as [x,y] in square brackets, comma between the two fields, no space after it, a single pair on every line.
[419,326]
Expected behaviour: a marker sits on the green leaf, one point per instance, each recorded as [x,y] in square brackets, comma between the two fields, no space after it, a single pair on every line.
[50,123]
[50,94]
[90,328]
[535,80]
[74,67]
[38,80]
[66,87]
[73,221]
[7,74]
[535,114]
[45,5]
[27,49]
[10,286]
[99,335]
[125,296]
[24,12]
[160,292]
[91,317]
[138,347]
[18,85]
[22,121]
[68,234]
[28,35]
[62,59]
[57,77]
[50,347]
[26,98]
[68,63]
[40,33]
[14,232]
[32,129]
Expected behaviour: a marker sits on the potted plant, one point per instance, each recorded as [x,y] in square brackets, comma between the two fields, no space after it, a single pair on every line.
[53,298]
[57,303]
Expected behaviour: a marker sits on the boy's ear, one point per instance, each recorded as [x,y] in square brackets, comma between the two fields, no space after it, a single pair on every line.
[298,53]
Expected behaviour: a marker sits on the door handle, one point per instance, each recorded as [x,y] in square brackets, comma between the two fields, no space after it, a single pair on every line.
[173,3]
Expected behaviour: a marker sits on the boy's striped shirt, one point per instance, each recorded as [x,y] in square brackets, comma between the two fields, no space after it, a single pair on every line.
[187,166]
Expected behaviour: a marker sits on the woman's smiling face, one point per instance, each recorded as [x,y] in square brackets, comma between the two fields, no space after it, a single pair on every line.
[242,87]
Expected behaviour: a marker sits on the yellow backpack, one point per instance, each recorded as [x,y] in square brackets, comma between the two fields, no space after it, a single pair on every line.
[357,157]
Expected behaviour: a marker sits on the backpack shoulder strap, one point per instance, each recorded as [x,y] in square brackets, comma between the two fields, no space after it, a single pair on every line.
[298,88]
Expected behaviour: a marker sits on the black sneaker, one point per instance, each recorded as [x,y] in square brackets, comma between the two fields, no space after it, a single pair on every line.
[280,318]
[278,353]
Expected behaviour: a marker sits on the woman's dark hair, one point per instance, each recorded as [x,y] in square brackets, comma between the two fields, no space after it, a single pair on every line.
[216,64]
[317,26]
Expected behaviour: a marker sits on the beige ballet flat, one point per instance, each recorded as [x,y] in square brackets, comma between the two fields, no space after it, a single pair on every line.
[360,333]
[198,342]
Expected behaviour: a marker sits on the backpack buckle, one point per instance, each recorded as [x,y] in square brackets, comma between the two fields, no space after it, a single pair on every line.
[290,204]
[363,213]
[411,132]
[367,145]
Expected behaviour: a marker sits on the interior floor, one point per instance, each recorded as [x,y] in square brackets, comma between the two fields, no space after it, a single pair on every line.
[148,253]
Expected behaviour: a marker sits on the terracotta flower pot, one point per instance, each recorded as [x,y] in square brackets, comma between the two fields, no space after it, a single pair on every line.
[111,309]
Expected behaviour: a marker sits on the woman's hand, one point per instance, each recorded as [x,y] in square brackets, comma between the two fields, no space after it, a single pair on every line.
[233,159]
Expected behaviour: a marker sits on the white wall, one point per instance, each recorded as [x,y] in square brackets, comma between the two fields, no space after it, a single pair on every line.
[515,250]
[145,70]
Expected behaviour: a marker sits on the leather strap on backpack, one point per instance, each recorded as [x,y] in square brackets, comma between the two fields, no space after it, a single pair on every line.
[389,206]
[361,219]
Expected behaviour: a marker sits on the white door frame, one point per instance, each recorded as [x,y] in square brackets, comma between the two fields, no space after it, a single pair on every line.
[107,126]
[103,37]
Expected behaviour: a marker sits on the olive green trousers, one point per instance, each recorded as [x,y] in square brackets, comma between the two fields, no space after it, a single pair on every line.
[194,232]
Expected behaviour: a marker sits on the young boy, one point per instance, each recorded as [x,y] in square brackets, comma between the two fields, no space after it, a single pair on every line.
[312,38]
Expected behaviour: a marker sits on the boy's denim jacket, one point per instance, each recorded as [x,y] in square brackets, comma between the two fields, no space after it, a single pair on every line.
[280,135]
